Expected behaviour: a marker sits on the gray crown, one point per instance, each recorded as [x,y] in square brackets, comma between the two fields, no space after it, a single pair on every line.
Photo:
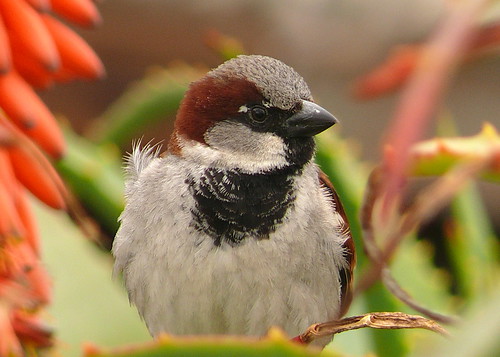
[280,84]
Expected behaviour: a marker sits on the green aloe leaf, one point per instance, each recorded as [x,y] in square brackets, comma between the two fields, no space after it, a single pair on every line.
[472,245]
[476,336]
[427,284]
[338,159]
[436,156]
[150,100]
[94,174]
[275,344]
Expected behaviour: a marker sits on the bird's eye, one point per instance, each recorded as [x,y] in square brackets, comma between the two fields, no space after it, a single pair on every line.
[258,113]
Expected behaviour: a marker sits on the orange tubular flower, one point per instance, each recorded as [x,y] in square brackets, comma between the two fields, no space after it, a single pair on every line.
[36,51]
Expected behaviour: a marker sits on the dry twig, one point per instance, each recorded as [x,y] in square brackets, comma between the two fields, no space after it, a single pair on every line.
[378,320]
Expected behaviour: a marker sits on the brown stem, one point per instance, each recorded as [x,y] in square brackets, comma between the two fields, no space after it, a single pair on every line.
[378,320]
[393,286]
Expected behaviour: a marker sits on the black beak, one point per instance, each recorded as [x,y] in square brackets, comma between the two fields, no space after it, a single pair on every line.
[310,120]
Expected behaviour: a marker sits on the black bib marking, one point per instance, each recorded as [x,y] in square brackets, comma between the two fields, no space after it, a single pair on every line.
[231,206]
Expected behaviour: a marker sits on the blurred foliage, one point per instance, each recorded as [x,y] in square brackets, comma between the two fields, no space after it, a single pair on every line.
[94,174]
[337,158]
[473,247]
[274,344]
[92,169]
[434,157]
[87,305]
[154,98]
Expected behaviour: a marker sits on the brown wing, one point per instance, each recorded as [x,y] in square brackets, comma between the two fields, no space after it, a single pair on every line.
[346,274]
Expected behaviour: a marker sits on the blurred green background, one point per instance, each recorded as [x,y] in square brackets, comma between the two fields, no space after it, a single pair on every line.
[330,44]
[88,305]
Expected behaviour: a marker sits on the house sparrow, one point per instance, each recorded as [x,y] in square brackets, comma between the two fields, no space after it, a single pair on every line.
[235,229]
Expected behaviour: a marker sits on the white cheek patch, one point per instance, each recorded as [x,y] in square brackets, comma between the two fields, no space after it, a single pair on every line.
[234,145]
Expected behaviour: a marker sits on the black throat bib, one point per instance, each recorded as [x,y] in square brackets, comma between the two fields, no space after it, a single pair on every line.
[232,206]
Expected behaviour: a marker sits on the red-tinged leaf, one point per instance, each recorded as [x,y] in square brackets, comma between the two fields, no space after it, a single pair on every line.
[390,75]
[401,62]
[437,156]
[420,99]
[488,37]
[225,46]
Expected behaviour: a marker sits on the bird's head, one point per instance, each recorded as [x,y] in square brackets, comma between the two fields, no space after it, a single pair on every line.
[252,112]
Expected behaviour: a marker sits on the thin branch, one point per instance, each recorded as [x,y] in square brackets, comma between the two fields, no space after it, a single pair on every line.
[393,286]
[377,320]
